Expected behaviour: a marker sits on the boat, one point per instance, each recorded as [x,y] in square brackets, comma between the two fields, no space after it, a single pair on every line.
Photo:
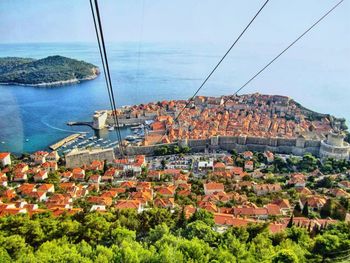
[111,128]
[130,138]
[141,126]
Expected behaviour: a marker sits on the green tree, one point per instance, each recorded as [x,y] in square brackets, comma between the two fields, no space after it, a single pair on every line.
[4,256]
[297,210]
[305,211]
[326,245]
[308,163]
[202,231]
[163,163]
[285,256]
[204,216]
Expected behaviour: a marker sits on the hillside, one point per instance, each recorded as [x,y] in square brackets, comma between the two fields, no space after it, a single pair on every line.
[50,71]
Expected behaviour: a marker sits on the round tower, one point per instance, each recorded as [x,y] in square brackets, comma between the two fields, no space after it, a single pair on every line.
[335,147]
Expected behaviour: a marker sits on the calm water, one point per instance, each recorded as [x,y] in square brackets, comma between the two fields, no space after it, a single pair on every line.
[150,72]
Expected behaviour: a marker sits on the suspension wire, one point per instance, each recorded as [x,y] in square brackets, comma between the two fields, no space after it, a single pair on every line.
[139,45]
[102,59]
[108,73]
[276,57]
[284,50]
[216,66]
[103,54]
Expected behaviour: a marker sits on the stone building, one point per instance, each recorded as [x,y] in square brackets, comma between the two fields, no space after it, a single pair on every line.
[335,147]
[77,158]
[99,120]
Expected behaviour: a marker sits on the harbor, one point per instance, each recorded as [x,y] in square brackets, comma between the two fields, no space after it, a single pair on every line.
[62,142]
[81,141]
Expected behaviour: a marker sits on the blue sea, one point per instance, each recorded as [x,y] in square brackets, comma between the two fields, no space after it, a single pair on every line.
[32,118]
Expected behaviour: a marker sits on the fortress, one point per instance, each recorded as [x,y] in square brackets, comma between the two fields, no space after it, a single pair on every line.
[332,147]
[335,147]
[253,122]
[77,158]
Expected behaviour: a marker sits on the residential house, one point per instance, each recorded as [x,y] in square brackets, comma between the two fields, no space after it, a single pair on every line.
[40,176]
[249,165]
[78,175]
[38,195]
[50,166]
[49,188]
[21,168]
[154,175]
[96,178]
[129,204]
[315,202]
[248,155]
[298,180]
[3,179]
[19,177]
[100,200]
[164,202]
[52,157]
[166,191]
[219,166]
[39,157]
[5,159]
[269,156]
[283,205]
[263,189]
[66,176]
[212,187]
[98,208]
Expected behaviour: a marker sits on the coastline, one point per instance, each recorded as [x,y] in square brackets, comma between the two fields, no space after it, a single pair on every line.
[52,84]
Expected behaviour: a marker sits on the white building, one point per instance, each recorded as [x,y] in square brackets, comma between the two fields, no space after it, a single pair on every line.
[206,165]
[99,119]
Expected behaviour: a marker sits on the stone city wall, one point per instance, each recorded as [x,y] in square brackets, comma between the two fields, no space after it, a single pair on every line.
[241,144]
[79,158]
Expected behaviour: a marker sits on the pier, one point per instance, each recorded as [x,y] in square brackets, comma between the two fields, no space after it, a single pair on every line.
[80,123]
[60,143]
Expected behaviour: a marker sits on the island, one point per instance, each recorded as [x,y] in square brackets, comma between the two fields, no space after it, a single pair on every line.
[49,71]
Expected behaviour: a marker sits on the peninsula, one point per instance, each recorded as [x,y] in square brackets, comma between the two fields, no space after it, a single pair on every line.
[49,71]
[254,122]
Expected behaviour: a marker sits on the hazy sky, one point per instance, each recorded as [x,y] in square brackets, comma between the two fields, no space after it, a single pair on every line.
[316,71]
[209,21]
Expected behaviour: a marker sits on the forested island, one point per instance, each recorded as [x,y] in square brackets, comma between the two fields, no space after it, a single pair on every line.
[49,71]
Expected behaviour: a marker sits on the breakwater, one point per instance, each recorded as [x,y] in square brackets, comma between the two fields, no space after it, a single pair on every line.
[64,141]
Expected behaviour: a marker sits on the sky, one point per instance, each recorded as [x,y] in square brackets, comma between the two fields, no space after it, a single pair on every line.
[183,21]
[320,60]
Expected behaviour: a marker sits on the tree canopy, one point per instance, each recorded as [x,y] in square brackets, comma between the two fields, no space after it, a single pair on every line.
[160,236]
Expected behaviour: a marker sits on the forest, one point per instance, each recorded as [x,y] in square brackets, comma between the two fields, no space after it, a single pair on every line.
[158,235]
[47,70]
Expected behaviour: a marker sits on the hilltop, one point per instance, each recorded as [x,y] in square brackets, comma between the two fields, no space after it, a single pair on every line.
[49,71]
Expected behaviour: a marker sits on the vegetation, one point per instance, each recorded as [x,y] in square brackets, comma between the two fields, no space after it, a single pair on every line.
[308,163]
[47,70]
[160,236]
[171,149]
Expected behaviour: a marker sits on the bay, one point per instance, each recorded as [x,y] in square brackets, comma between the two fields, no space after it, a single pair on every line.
[145,72]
